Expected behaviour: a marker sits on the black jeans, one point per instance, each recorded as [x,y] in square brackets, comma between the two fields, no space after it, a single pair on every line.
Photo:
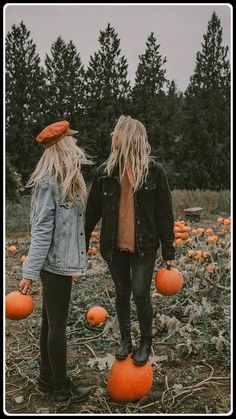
[131,273]
[53,345]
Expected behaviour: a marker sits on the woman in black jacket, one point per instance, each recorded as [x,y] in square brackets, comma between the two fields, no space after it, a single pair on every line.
[130,192]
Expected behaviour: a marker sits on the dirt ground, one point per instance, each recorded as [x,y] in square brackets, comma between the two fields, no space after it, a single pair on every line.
[190,356]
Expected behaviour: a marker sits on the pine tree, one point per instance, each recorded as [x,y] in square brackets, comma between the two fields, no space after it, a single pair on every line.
[148,94]
[24,100]
[64,73]
[203,155]
[150,77]
[107,90]
[171,123]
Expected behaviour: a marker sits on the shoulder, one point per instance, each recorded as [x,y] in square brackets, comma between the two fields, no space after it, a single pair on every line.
[100,170]
[156,165]
[46,182]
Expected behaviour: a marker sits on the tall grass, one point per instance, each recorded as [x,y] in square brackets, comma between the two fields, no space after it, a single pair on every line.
[213,202]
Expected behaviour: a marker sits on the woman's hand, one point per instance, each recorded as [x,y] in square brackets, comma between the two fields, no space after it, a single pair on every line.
[168,263]
[25,285]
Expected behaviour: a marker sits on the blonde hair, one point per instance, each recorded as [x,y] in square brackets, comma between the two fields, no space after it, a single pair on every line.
[63,160]
[134,150]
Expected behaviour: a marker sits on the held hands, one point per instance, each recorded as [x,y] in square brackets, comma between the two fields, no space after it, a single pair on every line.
[25,285]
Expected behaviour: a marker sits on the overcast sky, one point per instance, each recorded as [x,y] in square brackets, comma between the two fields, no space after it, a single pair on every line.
[179,30]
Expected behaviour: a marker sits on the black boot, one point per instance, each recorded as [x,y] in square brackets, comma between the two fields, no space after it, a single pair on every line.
[126,346]
[143,352]
[63,392]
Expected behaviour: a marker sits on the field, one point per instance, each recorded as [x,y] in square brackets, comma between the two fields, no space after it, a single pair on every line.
[191,345]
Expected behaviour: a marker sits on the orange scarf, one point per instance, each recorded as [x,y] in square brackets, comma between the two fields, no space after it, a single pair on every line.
[126,225]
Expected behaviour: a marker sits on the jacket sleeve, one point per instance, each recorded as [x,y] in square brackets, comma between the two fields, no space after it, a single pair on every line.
[165,216]
[42,230]
[93,211]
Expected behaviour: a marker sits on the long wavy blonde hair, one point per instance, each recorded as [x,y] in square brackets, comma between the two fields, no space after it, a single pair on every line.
[63,160]
[134,150]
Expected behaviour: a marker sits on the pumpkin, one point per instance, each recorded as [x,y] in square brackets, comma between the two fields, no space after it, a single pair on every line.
[178,235]
[23,258]
[185,236]
[18,305]
[11,248]
[179,242]
[169,281]
[200,230]
[206,254]
[195,231]
[177,229]
[198,255]
[212,239]
[96,315]
[186,229]
[226,221]
[222,232]
[210,268]
[190,253]
[95,234]
[128,382]
[220,220]
[209,231]
[93,250]
[189,240]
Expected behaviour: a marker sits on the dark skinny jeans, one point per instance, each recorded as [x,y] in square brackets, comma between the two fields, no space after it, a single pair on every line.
[53,345]
[133,274]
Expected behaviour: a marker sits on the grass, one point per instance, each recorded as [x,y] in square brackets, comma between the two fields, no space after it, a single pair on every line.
[212,202]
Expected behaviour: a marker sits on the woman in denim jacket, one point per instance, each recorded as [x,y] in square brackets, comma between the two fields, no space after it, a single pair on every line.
[57,250]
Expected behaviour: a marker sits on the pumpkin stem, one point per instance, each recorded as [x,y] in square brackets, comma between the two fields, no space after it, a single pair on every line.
[168,266]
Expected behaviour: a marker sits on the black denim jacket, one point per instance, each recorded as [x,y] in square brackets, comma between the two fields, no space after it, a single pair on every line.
[154,219]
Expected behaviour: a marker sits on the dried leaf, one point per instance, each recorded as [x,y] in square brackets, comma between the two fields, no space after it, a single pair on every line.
[102,363]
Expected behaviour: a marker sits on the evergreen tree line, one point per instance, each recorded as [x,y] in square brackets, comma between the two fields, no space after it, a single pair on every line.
[189,131]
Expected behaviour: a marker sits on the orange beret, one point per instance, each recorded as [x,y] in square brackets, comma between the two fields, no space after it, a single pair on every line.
[54,133]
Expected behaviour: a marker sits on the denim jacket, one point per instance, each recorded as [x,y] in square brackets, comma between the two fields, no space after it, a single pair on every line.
[57,233]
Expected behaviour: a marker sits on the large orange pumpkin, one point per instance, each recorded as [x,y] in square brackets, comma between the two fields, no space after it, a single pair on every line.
[128,382]
[97,315]
[18,305]
[169,281]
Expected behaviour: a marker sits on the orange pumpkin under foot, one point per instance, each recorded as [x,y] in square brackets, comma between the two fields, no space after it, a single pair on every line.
[169,281]
[18,305]
[128,382]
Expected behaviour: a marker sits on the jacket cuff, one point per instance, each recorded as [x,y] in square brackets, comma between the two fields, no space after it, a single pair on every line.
[34,276]
[168,254]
